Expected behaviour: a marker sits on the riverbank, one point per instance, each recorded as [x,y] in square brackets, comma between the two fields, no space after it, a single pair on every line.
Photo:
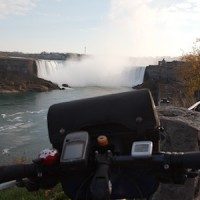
[20,75]
[14,85]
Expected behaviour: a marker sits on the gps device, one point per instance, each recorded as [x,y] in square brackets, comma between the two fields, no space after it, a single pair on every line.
[75,149]
[142,149]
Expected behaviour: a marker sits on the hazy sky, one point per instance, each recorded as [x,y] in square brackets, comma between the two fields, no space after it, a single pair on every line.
[117,27]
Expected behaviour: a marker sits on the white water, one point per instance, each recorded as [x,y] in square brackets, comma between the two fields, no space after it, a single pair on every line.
[92,71]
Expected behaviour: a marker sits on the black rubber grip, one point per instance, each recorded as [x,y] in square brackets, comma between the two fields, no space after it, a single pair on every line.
[15,172]
[186,160]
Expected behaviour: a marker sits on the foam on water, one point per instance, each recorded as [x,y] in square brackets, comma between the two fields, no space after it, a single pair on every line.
[10,127]
[3,116]
[16,122]
[35,112]
[16,119]
[6,151]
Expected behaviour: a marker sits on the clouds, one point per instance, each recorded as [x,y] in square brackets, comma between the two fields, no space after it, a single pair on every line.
[15,7]
[117,27]
[155,27]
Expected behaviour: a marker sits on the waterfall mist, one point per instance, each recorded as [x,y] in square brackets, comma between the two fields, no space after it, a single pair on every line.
[92,71]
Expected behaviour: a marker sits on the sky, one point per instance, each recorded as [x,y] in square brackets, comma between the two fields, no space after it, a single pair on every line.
[100,27]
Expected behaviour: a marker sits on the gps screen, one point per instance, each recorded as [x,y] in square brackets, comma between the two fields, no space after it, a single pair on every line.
[73,150]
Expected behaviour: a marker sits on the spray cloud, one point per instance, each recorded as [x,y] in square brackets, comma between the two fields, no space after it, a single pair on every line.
[92,71]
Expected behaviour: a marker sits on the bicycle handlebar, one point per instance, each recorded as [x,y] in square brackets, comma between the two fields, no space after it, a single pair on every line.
[179,160]
[15,172]
[186,160]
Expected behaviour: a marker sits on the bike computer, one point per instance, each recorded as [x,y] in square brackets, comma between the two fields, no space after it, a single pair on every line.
[142,149]
[75,149]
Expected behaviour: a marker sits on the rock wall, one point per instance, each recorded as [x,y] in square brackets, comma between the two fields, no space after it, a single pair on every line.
[20,75]
[164,81]
[165,72]
[18,66]
[181,134]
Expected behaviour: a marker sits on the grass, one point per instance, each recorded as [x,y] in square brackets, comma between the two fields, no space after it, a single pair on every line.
[16,193]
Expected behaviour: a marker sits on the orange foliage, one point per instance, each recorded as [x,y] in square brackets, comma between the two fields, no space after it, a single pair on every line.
[191,72]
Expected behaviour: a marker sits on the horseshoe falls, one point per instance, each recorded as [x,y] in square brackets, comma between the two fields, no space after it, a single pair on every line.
[92,71]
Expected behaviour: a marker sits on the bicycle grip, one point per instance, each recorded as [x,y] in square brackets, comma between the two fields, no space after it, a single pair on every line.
[186,160]
[14,172]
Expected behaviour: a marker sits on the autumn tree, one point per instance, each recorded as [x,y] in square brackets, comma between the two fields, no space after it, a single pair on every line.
[190,72]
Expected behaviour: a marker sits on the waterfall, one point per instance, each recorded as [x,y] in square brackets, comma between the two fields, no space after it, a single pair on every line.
[91,72]
[48,67]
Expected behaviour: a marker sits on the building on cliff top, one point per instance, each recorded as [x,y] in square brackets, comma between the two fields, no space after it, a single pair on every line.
[173,63]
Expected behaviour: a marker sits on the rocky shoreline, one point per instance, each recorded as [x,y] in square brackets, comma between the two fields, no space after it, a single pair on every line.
[20,75]
[34,85]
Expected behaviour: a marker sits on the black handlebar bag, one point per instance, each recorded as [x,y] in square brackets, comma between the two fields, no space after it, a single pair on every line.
[124,118]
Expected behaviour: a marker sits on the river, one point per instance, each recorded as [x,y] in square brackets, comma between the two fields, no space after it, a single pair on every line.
[23,119]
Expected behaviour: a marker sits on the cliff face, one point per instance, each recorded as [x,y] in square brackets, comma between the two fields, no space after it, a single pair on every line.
[166,72]
[164,81]
[20,74]
[15,66]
